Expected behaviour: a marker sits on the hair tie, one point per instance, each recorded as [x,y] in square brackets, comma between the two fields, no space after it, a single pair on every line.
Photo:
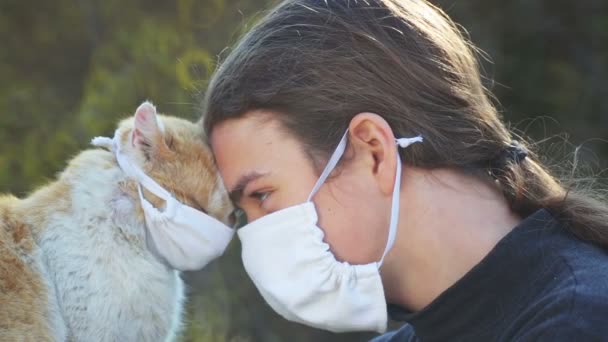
[514,153]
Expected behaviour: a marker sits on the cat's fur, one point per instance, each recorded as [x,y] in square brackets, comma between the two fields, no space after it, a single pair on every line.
[74,265]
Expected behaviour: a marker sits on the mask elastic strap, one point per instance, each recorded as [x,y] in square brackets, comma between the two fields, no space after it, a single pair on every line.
[392,230]
[333,161]
[331,164]
[134,171]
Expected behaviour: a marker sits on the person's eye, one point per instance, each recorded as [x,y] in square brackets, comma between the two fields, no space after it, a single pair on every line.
[260,195]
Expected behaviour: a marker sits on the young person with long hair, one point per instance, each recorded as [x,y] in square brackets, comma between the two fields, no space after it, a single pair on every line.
[379,180]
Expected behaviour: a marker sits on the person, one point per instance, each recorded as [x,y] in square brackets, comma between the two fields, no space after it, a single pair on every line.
[378,179]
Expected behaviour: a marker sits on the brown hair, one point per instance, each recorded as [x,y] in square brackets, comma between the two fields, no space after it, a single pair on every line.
[318,63]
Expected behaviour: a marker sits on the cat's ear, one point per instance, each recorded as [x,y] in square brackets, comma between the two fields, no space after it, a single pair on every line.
[147,134]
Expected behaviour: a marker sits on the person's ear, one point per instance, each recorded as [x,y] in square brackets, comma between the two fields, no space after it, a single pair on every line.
[148,133]
[374,143]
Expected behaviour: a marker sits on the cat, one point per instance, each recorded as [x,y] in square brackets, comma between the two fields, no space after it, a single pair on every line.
[74,264]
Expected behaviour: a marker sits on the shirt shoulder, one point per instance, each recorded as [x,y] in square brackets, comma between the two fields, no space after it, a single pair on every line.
[577,309]
[403,334]
[585,321]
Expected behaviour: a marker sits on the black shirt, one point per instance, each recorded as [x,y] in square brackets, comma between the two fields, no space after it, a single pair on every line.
[539,283]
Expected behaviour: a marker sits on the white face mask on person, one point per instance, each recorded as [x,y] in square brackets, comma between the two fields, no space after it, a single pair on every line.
[297,274]
[183,237]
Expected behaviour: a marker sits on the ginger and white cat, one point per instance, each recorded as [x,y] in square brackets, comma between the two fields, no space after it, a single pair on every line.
[74,265]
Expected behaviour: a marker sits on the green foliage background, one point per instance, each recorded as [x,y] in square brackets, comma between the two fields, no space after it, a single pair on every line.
[69,69]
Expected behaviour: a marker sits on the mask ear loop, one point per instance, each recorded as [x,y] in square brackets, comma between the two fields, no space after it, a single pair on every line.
[134,171]
[392,230]
[333,161]
[331,164]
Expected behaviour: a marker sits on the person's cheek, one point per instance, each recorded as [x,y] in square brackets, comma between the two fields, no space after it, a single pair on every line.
[331,221]
[354,227]
[252,210]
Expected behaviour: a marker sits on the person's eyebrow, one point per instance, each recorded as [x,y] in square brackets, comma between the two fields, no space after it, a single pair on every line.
[237,191]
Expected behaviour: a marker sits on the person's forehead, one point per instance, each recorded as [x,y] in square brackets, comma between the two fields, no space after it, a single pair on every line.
[252,143]
[251,125]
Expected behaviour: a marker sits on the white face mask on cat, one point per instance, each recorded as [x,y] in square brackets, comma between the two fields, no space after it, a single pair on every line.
[297,274]
[185,238]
